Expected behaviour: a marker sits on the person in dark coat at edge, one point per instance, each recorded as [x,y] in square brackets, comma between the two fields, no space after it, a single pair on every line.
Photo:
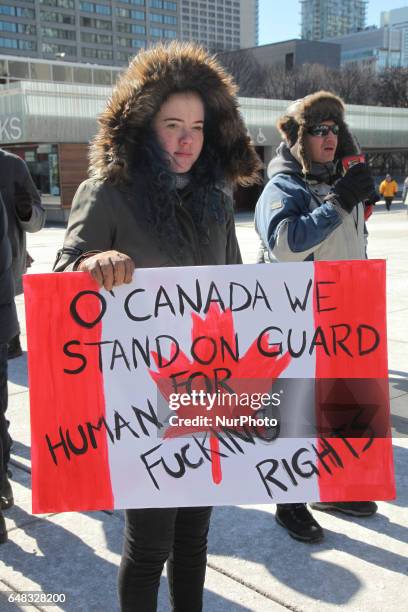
[171,144]
[312,210]
[8,329]
[25,214]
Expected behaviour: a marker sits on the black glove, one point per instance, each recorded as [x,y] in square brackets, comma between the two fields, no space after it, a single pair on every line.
[372,199]
[22,202]
[355,186]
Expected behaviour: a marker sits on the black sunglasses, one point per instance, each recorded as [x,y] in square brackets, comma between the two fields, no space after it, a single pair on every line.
[323,130]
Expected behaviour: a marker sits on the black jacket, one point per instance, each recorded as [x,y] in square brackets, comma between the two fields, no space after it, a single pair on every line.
[14,170]
[8,315]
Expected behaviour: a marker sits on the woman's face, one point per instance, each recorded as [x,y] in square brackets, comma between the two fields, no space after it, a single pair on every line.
[179,127]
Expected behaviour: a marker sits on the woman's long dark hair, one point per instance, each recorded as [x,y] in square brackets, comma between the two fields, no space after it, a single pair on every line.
[155,188]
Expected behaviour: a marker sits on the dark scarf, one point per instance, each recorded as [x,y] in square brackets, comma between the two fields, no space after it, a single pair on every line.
[323,173]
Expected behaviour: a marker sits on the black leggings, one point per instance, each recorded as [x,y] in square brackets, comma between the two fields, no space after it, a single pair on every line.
[5,440]
[157,535]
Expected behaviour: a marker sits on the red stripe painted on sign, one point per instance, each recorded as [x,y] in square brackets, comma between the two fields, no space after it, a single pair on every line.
[70,464]
[352,381]
[356,292]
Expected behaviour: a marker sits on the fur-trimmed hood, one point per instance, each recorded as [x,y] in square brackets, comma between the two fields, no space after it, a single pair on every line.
[150,79]
[312,110]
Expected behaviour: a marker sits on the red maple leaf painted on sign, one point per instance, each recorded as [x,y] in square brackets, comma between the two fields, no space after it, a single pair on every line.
[216,368]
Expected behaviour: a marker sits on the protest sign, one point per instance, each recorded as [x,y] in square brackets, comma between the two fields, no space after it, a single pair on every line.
[209,386]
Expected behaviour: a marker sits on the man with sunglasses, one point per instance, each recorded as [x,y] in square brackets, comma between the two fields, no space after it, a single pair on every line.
[311,209]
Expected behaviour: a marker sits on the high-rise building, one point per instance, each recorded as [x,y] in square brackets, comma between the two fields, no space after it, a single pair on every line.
[397,19]
[111,31]
[220,24]
[329,18]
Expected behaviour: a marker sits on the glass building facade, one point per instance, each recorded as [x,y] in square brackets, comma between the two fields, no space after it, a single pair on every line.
[111,31]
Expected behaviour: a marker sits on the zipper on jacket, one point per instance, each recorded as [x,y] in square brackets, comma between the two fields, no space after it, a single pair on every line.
[196,244]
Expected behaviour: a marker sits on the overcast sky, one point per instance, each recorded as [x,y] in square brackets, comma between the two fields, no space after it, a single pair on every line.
[280,19]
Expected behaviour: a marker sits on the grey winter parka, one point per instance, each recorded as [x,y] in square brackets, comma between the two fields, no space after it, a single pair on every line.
[105,217]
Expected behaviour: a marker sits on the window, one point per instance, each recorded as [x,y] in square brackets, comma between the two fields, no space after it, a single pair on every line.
[8,43]
[57,17]
[159,18]
[19,69]
[130,28]
[82,75]
[91,7]
[62,73]
[8,26]
[289,62]
[17,11]
[170,20]
[60,3]
[13,43]
[162,33]
[41,72]
[163,4]
[58,33]
[125,28]
[97,39]
[130,42]
[99,24]
[88,7]
[124,56]
[104,54]
[102,77]
[122,12]
[27,45]
[53,48]
[102,9]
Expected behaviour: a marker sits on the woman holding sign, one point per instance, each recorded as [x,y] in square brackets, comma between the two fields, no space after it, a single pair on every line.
[171,144]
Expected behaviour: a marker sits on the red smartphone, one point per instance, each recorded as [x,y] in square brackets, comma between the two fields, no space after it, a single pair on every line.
[352,160]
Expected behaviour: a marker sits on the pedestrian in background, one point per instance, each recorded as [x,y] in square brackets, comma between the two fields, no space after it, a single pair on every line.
[388,189]
[312,210]
[170,146]
[405,191]
[25,214]
[8,329]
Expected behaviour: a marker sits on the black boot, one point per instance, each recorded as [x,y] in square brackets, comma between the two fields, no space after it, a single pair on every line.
[6,493]
[3,530]
[14,348]
[354,508]
[298,522]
